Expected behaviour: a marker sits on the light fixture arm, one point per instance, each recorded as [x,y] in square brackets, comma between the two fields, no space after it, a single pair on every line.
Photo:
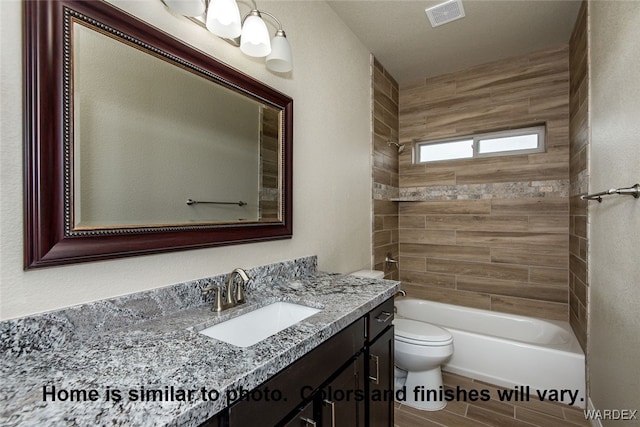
[262,12]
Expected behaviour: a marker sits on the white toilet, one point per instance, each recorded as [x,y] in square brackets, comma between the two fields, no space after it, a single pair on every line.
[420,349]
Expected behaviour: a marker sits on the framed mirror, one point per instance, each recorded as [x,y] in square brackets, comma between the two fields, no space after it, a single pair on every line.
[136,143]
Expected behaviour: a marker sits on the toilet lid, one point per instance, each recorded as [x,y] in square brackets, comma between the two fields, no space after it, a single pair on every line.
[420,331]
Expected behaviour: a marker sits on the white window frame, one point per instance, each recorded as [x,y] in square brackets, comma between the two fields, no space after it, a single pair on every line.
[477,140]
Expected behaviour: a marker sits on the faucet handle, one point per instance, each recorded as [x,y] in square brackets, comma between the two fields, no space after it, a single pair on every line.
[210,288]
[217,290]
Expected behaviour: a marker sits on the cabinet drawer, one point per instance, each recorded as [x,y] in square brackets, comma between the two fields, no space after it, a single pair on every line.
[379,319]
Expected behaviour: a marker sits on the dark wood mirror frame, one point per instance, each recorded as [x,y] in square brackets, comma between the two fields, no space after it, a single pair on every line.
[48,161]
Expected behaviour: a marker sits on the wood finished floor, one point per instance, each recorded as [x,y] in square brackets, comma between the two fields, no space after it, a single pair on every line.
[490,413]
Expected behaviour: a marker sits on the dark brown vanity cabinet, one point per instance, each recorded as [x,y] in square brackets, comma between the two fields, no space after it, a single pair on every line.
[332,385]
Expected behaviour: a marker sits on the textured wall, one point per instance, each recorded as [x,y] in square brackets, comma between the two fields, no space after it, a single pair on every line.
[614,224]
[491,232]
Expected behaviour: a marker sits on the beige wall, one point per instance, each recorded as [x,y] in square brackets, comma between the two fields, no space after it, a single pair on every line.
[614,269]
[490,233]
[330,86]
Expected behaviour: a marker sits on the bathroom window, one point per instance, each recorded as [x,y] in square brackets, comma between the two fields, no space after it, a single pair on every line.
[504,143]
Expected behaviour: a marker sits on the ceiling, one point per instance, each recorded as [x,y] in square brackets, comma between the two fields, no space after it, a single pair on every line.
[400,36]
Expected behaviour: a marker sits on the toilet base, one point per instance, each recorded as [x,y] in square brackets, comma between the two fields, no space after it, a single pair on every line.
[423,389]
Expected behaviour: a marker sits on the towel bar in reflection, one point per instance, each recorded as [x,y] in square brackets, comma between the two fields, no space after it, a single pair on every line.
[198,202]
[634,191]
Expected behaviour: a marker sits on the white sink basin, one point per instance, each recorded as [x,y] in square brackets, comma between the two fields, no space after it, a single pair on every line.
[253,327]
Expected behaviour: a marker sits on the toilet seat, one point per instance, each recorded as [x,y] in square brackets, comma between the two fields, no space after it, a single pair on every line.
[420,333]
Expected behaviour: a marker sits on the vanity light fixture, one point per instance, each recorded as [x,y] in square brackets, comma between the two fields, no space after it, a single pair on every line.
[222,18]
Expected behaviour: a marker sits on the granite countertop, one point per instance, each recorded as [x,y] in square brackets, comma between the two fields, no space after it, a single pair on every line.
[101,378]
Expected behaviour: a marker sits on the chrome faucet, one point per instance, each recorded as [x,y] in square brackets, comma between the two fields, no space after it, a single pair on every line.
[232,298]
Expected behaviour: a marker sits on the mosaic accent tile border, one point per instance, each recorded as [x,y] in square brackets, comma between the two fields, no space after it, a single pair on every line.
[385,192]
[580,183]
[502,190]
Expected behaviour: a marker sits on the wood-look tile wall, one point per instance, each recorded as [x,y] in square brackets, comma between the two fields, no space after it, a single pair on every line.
[579,151]
[385,169]
[498,237]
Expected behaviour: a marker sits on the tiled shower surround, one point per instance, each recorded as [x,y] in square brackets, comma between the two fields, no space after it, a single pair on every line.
[503,233]
[491,233]
[579,176]
[384,107]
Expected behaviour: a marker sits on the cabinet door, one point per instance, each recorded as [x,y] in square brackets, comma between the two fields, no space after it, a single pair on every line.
[342,401]
[380,381]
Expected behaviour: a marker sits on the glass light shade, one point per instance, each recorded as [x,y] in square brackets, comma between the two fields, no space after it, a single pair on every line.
[223,18]
[280,59]
[186,7]
[254,40]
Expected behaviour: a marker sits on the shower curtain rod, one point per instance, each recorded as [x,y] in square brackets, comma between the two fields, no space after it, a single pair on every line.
[634,191]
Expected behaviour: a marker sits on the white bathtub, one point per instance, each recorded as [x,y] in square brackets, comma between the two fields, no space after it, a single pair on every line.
[505,349]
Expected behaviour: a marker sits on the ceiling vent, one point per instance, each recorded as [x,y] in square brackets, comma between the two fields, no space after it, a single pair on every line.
[445,12]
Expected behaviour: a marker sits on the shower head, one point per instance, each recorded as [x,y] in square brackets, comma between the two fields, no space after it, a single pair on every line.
[400,146]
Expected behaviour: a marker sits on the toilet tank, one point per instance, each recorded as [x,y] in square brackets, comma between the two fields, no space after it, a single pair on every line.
[369,274]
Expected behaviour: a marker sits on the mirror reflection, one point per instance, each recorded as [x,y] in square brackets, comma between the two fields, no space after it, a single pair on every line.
[155,144]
